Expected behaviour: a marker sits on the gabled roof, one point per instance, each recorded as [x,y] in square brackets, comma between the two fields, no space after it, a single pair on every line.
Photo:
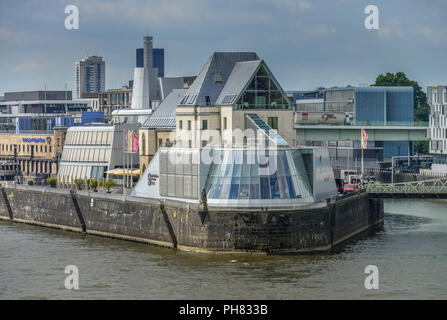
[239,77]
[164,115]
[213,77]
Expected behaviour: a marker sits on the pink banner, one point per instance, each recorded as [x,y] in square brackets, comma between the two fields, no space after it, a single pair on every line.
[134,142]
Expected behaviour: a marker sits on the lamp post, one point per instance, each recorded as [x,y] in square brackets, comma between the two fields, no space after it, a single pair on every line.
[392,170]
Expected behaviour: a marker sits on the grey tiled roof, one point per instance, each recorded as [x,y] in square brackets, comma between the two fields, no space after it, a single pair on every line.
[160,122]
[218,67]
[237,80]
[164,115]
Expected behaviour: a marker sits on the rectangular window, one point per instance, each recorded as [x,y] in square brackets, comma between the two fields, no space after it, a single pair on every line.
[180,124]
[225,123]
[189,124]
[204,124]
[109,137]
[107,155]
[104,138]
[89,138]
[273,122]
[101,155]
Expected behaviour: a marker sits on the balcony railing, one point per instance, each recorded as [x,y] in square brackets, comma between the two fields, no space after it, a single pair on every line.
[365,123]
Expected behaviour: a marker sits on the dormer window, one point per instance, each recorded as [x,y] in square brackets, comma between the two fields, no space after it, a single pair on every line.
[184,100]
[218,77]
[207,100]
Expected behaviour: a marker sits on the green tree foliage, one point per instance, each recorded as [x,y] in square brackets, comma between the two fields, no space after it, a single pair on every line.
[52,181]
[108,184]
[421,110]
[399,79]
[93,184]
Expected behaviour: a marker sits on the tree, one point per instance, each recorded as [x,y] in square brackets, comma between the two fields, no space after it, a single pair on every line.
[399,79]
[421,110]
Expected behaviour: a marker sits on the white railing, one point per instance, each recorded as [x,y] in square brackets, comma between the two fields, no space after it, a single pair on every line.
[435,186]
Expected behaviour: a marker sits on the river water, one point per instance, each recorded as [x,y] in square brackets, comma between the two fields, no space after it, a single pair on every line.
[410,254]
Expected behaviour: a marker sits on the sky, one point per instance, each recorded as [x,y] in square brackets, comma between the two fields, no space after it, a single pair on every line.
[306,44]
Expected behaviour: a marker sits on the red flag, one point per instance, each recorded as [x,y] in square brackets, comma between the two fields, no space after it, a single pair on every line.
[364,138]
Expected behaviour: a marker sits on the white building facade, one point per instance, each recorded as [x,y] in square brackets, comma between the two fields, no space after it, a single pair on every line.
[437,100]
[92,150]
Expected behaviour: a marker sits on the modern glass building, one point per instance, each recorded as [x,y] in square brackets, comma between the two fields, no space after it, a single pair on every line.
[240,177]
[364,107]
[249,163]
[250,174]
[90,76]
[92,150]
[158,61]
[386,106]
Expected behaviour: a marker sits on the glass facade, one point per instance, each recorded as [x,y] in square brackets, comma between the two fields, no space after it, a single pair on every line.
[159,61]
[386,105]
[265,174]
[89,138]
[140,58]
[263,92]
[86,154]
[391,104]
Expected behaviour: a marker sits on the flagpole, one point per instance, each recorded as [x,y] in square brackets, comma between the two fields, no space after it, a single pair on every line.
[128,171]
[131,168]
[362,167]
[124,161]
[124,158]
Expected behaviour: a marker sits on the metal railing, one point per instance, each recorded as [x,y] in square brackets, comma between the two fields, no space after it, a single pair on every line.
[435,186]
[417,124]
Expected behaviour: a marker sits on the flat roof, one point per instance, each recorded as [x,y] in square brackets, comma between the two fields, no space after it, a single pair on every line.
[23,102]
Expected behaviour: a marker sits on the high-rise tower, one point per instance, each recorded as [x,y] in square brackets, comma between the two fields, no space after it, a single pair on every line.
[90,76]
[145,82]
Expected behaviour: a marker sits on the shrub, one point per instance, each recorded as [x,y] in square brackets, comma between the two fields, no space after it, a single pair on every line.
[79,183]
[52,181]
[93,184]
[109,184]
[30,182]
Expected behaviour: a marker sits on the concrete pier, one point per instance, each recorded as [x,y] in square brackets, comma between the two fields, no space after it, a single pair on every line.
[184,227]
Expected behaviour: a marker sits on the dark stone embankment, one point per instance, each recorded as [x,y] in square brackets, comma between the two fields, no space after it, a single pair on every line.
[183,226]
